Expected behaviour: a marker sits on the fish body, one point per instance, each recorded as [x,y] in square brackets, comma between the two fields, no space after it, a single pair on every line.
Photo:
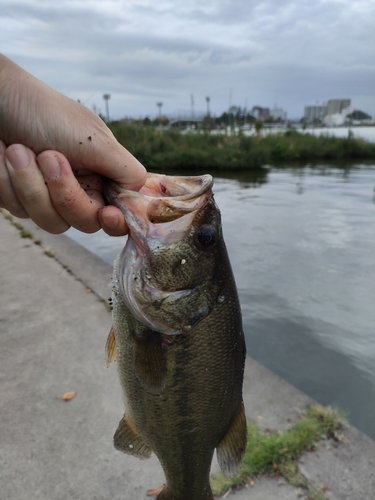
[177,335]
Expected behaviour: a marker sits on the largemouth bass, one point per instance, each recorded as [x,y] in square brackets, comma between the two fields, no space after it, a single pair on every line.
[177,335]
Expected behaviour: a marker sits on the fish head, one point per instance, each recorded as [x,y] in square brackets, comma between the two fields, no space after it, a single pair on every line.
[166,272]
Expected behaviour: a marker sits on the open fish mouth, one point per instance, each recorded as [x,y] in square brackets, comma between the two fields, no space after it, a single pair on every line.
[160,215]
[161,200]
[164,209]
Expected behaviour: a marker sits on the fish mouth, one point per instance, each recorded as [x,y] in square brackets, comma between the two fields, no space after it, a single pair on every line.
[162,200]
[161,213]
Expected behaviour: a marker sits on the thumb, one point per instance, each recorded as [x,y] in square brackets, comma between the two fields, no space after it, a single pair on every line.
[102,153]
[117,163]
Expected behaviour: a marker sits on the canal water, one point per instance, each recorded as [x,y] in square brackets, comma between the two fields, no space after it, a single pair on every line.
[302,246]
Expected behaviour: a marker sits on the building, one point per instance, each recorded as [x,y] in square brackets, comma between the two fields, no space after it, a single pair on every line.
[334,120]
[260,113]
[340,117]
[335,106]
[315,113]
[332,113]
[278,114]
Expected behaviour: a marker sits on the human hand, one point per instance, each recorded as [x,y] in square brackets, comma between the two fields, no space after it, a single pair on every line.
[43,129]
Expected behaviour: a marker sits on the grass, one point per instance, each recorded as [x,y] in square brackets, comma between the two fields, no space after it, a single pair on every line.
[24,233]
[166,150]
[277,453]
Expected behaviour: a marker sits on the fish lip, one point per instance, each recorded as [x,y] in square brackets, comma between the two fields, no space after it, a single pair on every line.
[155,209]
[112,189]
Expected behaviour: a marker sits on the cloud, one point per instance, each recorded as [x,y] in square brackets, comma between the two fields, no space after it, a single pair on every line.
[292,52]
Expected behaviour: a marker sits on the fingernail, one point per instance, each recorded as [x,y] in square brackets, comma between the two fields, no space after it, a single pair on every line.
[50,167]
[17,157]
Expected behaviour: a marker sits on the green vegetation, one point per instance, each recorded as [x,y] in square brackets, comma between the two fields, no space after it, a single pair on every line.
[49,253]
[269,453]
[165,150]
[26,234]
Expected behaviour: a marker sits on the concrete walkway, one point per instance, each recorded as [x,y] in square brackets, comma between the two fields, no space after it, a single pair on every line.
[53,328]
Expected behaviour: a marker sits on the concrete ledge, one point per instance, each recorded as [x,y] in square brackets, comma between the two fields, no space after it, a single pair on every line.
[87,266]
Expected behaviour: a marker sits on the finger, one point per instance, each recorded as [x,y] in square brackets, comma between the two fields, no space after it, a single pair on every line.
[98,150]
[121,166]
[8,197]
[30,189]
[76,206]
[112,221]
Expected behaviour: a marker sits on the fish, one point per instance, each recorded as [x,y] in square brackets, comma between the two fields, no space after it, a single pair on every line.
[177,334]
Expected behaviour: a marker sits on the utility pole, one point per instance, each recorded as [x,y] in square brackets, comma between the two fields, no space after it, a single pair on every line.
[107,97]
[208,106]
[192,106]
[159,105]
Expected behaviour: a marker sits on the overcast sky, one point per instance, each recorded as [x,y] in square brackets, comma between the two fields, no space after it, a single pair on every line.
[238,52]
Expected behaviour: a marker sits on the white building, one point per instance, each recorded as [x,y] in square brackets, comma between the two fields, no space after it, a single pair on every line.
[314,113]
[278,113]
[337,119]
[337,106]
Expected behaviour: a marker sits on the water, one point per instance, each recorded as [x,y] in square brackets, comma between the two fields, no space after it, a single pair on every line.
[302,246]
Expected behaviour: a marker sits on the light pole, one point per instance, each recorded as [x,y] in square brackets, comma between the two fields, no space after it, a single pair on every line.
[159,105]
[107,97]
[208,106]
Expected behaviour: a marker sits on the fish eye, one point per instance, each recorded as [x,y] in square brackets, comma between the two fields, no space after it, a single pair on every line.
[205,237]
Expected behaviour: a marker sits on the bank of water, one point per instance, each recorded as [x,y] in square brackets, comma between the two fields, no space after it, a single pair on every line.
[302,246]
[365,133]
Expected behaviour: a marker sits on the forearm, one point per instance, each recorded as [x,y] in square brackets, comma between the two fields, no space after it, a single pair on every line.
[29,109]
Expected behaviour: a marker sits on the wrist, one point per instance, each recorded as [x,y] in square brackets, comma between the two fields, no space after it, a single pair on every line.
[23,99]
[14,90]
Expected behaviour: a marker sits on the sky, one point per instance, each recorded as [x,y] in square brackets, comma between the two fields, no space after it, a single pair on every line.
[289,53]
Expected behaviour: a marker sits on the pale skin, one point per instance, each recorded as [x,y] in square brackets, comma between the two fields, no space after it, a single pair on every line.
[54,154]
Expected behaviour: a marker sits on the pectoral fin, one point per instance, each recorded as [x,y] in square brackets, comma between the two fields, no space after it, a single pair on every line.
[232,447]
[150,362]
[128,440]
[110,347]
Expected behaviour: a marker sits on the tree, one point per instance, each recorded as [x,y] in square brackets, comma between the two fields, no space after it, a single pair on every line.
[358,115]
[258,126]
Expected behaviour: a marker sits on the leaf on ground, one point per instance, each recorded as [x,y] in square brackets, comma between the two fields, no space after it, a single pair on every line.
[154,492]
[68,396]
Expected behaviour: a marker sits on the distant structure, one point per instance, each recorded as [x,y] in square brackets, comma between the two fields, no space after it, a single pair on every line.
[337,106]
[260,113]
[106,98]
[278,114]
[186,123]
[315,113]
[159,105]
[337,112]
[333,113]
